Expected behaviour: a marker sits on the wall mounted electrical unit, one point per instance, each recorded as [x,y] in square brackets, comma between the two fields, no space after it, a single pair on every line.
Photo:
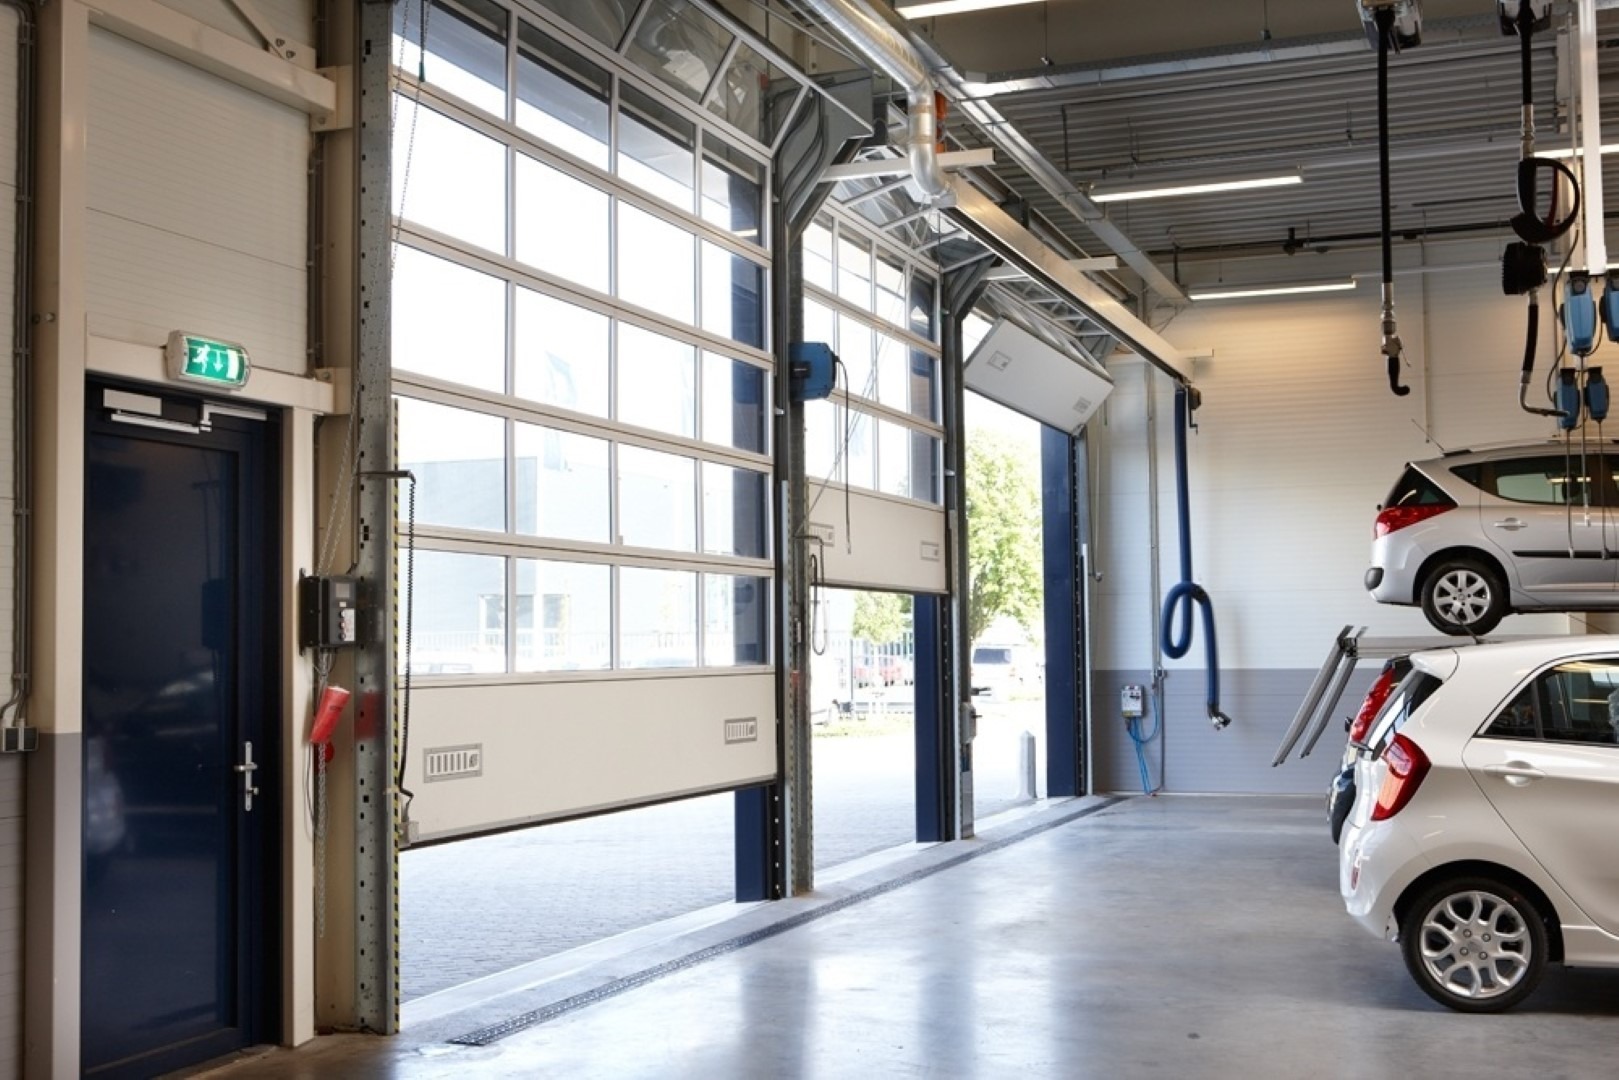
[328,612]
[1020,371]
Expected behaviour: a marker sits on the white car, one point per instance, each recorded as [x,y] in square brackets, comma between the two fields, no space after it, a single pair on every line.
[1484,835]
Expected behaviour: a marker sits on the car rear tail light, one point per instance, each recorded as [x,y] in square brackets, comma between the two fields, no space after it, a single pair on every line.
[1395,518]
[1405,765]
[1375,697]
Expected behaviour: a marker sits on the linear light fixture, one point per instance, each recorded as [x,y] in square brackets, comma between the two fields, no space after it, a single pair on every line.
[1564,153]
[930,8]
[1244,291]
[1210,187]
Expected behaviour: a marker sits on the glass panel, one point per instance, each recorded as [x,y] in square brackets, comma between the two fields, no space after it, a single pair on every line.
[754,95]
[733,296]
[459,617]
[466,49]
[457,177]
[818,253]
[854,349]
[854,270]
[562,97]
[820,324]
[449,322]
[574,602]
[680,44]
[658,617]
[604,20]
[925,468]
[922,294]
[735,620]
[656,264]
[732,186]
[657,499]
[564,485]
[561,224]
[893,373]
[822,436]
[893,459]
[890,289]
[734,517]
[860,454]
[736,407]
[924,385]
[561,353]
[656,148]
[459,460]
[657,381]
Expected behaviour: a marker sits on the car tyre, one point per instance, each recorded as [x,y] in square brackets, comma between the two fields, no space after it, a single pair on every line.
[1474,944]
[1464,596]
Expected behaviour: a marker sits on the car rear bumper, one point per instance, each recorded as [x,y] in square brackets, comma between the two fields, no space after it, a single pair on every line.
[1376,861]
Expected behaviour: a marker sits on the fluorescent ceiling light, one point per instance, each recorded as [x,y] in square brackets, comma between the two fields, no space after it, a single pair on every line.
[1283,180]
[1564,153]
[1239,292]
[930,8]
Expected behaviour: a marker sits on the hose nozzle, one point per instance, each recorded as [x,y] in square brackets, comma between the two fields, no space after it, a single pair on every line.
[1392,347]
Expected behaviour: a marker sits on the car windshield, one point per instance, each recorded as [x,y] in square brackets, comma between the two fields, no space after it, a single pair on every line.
[1417,687]
[986,654]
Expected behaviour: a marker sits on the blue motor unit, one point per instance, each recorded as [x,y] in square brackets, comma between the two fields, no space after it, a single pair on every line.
[812,369]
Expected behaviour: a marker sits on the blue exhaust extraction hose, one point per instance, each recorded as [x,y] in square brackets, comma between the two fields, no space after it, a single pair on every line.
[1186,593]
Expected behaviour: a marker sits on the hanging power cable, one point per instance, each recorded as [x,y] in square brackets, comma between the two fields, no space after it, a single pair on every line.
[1186,593]
[1395,25]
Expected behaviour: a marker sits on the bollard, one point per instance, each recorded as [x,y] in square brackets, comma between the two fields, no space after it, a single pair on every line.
[1025,772]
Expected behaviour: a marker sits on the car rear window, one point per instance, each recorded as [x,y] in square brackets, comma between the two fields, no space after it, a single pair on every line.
[987,655]
[1417,687]
[1415,489]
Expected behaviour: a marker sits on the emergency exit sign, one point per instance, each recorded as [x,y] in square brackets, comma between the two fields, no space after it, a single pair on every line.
[221,364]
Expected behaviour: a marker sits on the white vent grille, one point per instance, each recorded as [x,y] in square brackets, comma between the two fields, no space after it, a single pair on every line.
[453,762]
[737,731]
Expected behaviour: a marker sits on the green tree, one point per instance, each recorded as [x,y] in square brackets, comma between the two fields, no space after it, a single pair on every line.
[881,617]
[1003,533]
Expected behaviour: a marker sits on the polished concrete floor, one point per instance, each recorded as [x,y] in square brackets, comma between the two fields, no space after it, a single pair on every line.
[1166,937]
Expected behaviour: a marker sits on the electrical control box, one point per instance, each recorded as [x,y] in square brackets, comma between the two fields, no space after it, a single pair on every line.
[328,612]
[1132,701]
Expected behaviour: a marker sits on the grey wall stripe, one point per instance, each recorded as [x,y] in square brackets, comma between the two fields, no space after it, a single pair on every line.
[495,1032]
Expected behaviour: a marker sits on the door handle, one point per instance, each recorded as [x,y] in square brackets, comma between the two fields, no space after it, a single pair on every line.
[247,767]
[1516,773]
[1511,524]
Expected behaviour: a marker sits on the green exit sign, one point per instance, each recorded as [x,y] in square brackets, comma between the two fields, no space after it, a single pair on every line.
[222,364]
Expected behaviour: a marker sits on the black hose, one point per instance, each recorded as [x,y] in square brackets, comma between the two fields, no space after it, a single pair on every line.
[1391,337]
[1526,34]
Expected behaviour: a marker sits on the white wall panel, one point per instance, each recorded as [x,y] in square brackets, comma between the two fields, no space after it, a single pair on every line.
[557,749]
[197,201]
[11,765]
[883,543]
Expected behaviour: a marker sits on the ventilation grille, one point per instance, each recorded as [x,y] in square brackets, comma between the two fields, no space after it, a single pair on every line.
[453,762]
[742,730]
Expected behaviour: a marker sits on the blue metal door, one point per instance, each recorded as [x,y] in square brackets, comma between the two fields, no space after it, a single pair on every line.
[180,685]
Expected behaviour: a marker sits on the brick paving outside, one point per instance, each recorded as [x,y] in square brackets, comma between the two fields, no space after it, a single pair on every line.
[476,907]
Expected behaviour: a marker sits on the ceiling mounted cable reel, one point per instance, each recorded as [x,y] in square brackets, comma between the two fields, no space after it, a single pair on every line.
[1392,26]
[1523,264]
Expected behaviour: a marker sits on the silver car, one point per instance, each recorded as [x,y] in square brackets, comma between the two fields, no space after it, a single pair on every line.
[1474,535]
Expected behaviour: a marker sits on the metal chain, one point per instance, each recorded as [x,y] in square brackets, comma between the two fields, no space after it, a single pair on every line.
[320,840]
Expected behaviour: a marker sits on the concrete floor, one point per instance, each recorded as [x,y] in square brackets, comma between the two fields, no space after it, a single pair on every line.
[1168,937]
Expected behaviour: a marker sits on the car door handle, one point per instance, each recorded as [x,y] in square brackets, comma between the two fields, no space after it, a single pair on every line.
[1512,524]
[1516,773]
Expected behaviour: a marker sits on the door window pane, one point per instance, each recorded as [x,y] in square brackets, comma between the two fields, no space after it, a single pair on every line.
[604,20]
[1573,703]
[893,373]
[735,620]
[657,499]
[818,253]
[854,349]
[458,614]
[564,486]
[562,97]
[752,95]
[449,322]
[890,289]
[561,224]
[656,264]
[822,435]
[657,381]
[466,49]
[820,324]
[860,455]
[457,177]
[734,516]
[732,185]
[657,612]
[656,148]
[459,461]
[924,385]
[854,270]
[733,296]
[893,459]
[736,407]
[561,353]
[564,616]
[922,298]
[680,44]
[925,468]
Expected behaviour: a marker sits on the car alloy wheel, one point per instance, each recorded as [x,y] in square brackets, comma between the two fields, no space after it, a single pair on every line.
[1474,945]
[1462,596]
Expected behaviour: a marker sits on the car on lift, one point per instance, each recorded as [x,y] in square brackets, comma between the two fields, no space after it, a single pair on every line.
[1473,535]
[1481,836]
